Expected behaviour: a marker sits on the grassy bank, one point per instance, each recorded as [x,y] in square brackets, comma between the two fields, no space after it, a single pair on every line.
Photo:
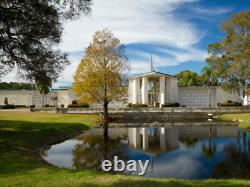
[244,119]
[23,135]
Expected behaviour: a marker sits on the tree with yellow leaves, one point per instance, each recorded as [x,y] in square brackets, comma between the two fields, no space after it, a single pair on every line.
[99,76]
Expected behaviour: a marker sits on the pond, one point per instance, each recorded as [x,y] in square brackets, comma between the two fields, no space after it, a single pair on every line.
[174,152]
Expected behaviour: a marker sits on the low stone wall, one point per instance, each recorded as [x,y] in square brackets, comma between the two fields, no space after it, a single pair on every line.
[178,116]
[173,114]
[214,110]
[244,109]
[148,117]
[175,124]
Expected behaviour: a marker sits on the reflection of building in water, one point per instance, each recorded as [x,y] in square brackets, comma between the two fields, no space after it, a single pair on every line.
[154,141]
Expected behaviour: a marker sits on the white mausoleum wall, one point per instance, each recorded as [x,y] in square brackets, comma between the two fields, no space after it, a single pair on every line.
[198,96]
[66,97]
[223,96]
[26,97]
[175,90]
[17,97]
[37,99]
[171,90]
[194,96]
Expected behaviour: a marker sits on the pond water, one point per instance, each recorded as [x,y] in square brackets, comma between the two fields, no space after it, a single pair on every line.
[174,152]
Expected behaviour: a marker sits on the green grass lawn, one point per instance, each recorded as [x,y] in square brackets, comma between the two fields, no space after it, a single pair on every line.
[23,136]
[244,119]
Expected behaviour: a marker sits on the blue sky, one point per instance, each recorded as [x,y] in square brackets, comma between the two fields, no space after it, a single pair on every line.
[175,32]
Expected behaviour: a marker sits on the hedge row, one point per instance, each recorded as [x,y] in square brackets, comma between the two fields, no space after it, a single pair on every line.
[78,106]
[171,105]
[229,104]
[9,106]
[130,105]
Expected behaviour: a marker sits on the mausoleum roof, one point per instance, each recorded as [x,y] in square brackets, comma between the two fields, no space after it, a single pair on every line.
[150,74]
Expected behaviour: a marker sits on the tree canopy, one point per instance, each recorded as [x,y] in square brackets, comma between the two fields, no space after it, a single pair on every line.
[99,76]
[230,57]
[16,86]
[30,31]
[206,77]
[187,78]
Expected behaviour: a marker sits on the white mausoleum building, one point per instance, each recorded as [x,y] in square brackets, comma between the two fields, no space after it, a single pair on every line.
[152,88]
[156,88]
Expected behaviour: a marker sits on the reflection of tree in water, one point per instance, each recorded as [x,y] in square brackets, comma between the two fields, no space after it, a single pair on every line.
[189,142]
[236,163]
[92,150]
[208,150]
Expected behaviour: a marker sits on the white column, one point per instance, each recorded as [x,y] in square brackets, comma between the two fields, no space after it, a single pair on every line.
[134,138]
[144,90]
[245,100]
[162,90]
[135,90]
[163,142]
[144,139]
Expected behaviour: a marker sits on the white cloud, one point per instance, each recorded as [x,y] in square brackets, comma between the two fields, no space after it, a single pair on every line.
[168,57]
[212,11]
[140,21]
[69,71]
[191,54]
[12,77]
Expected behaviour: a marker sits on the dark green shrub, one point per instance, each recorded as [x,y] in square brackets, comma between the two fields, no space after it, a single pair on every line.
[138,105]
[229,104]
[61,105]
[78,106]
[7,106]
[171,105]
[157,104]
[46,105]
[32,106]
[130,105]
[74,102]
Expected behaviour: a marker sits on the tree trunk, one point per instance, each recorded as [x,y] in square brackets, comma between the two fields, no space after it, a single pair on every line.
[43,101]
[105,118]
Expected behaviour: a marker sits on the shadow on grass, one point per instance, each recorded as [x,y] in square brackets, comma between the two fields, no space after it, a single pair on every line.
[170,183]
[21,142]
